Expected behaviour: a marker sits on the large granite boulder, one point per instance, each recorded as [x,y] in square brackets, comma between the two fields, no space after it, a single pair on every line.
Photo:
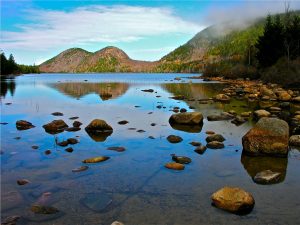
[270,136]
[233,199]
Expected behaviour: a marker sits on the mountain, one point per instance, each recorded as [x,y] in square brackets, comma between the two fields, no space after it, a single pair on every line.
[226,40]
[109,59]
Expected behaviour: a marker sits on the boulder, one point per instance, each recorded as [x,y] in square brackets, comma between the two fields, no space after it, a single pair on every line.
[270,136]
[215,145]
[261,113]
[55,127]
[174,139]
[24,125]
[295,140]
[181,159]
[200,149]
[191,122]
[222,116]
[239,120]
[222,98]
[99,130]
[233,199]
[174,166]
[186,118]
[296,99]
[284,96]
[215,137]
[77,123]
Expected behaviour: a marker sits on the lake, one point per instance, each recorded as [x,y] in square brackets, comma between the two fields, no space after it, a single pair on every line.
[133,186]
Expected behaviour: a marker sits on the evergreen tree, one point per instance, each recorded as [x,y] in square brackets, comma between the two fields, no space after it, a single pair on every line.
[270,45]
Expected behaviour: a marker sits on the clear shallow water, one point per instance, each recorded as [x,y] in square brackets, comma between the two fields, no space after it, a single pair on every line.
[132,186]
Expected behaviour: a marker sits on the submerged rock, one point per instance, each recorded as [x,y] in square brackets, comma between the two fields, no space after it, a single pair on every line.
[55,127]
[97,202]
[77,123]
[48,152]
[174,139]
[99,130]
[266,177]
[222,116]
[215,145]
[96,159]
[63,143]
[24,125]
[195,143]
[233,199]
[57,114]
[72,141]
[117,149]
[200,149]
[148,90]
[70,149]
[72,129]
[73,118]
[239,120]
[270,136]
[174,166]
[41,209]
[123,122]
[80,169]
[181,159]
[11,220]
[215,137]
[22,182]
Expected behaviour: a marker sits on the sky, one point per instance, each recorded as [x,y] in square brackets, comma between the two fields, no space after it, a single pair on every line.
[36,30]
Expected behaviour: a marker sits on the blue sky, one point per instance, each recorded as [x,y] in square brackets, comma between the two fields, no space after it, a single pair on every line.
[36,30]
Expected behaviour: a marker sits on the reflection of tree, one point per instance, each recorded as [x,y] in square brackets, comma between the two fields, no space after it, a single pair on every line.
[196,91]
[8,85]
[254,165]
[104,90]
[202,91]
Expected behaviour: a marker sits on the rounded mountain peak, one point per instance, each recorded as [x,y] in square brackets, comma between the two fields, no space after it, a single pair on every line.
[112,51]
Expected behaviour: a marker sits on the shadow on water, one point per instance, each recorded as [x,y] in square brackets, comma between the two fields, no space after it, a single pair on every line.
[8,85]
[254,165]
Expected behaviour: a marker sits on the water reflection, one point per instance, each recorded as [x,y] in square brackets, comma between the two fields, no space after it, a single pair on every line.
[106,91]
[254,165]
[8,85]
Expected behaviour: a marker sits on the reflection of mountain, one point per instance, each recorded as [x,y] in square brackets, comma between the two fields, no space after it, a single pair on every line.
[7,85]
[254,165]
[104,90]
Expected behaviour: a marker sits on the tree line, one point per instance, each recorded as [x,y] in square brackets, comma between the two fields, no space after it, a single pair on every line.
[9,66]
[281,38]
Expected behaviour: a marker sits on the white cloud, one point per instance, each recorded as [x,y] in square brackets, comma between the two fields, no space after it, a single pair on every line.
[94,24]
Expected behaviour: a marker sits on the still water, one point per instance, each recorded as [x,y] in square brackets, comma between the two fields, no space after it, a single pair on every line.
[132,186]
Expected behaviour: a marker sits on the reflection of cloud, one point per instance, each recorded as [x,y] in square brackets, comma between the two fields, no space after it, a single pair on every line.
[94,24]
